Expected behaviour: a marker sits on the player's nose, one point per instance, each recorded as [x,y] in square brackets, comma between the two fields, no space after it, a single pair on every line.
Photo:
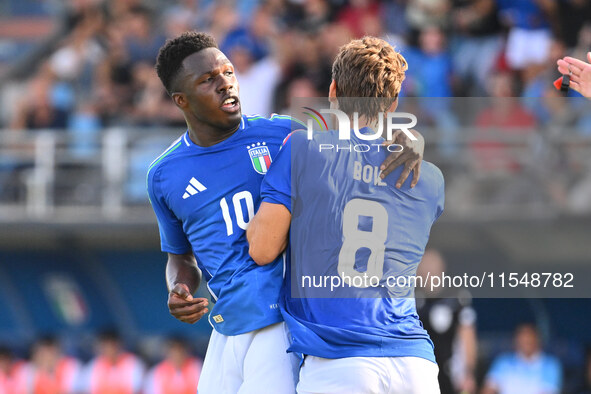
[225,83]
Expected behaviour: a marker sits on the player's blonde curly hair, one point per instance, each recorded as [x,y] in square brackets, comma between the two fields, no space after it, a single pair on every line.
[369,68]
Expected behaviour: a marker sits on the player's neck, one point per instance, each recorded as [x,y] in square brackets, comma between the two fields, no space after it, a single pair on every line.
[363,122]
[206,135]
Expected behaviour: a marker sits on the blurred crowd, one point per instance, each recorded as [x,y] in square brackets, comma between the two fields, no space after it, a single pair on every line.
[101,73]
[49,370]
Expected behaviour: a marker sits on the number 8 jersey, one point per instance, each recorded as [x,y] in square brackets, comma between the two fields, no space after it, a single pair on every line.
[355,244]
[204,198]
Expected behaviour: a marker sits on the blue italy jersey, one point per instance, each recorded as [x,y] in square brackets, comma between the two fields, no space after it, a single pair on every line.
[204,198]
[347,223]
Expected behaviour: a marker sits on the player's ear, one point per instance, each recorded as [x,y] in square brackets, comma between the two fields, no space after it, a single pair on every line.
[180,100]
[332,95]
[332,91]
[393,106]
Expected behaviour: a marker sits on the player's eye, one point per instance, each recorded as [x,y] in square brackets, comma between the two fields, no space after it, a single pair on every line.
[208,79]
[229,72]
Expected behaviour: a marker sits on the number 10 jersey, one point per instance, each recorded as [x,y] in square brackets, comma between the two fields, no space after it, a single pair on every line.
[204,198]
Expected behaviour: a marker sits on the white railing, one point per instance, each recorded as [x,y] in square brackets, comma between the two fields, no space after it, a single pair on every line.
[53,176]
[48,176]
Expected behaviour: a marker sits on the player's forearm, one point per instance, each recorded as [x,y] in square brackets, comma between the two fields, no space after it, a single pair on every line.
[267,233]
[262,246]
[182,268]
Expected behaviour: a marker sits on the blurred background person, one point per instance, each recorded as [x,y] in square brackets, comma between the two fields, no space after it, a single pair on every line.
[8,369]
[450,320]
[529,23]
[585,387]
[178,373]
[113,370]
[49,371]
[527,370]
[476,44]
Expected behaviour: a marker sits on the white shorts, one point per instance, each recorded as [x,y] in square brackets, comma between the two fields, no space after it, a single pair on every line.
[368,375]
[254,362]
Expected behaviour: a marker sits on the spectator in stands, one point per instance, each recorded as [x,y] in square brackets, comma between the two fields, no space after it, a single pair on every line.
[257,70]
[430,68]
[356,13]
[527,370]
[8,369]
[48,371]
[312,16]
[529,23]
[476,43]
[113,370]
[40,107]
[178,373]
[421,13]
[223,18]
[142,36]
[113,88]
[76,59]
[501,126]
[151,104]
[450,320]
[394,19]
[430,76]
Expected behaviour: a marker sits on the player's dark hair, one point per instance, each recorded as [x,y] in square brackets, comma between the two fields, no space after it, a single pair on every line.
[174,51]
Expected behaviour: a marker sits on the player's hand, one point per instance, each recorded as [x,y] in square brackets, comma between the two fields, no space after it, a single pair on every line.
[579,72]
[183,306]
[411,156]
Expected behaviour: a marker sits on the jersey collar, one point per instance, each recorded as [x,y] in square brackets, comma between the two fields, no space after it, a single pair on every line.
[188,142]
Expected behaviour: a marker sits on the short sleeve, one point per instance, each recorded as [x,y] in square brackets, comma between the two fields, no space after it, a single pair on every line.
[276,186]
[172,236]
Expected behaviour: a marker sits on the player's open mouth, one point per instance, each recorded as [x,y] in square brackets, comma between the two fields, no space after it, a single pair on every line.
[231,104]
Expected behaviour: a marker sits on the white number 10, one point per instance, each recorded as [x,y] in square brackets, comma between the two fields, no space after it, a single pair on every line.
[355,239]
[236,201]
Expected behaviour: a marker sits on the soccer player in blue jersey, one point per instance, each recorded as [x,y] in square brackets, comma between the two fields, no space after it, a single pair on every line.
[360,336]
[204,190]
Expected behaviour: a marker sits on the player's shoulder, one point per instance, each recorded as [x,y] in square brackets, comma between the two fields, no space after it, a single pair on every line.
[166,156]
[431,174]
[275,121]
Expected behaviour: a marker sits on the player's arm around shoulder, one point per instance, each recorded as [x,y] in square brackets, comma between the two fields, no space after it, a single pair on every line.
[267,232]
[183,278]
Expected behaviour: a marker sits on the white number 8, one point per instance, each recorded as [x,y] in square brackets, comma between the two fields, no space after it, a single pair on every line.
[355,239]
